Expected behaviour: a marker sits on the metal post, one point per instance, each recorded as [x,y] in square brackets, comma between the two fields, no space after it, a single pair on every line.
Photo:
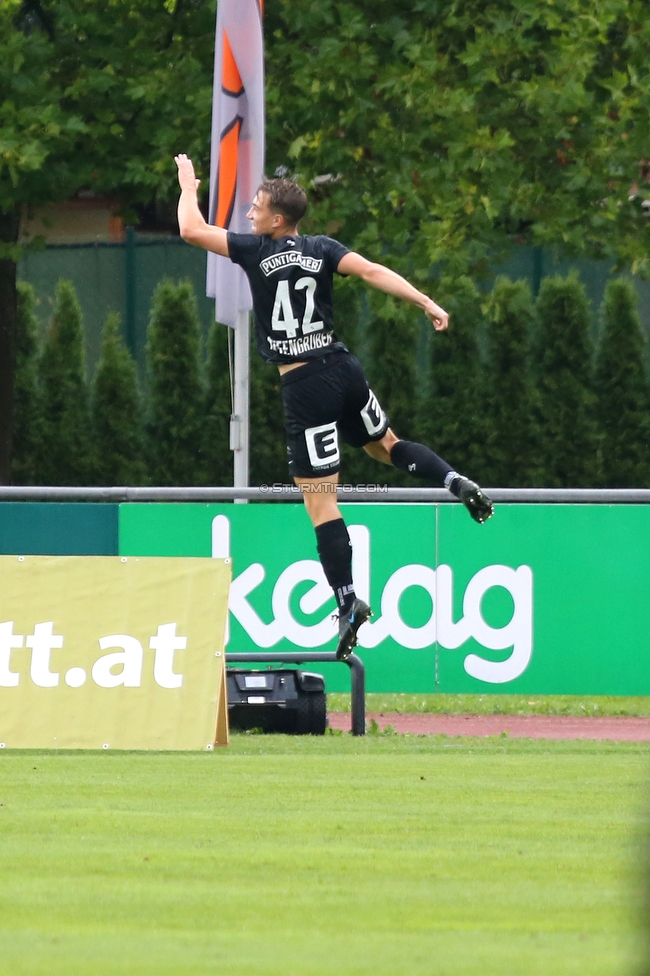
[239,421]
[358,694]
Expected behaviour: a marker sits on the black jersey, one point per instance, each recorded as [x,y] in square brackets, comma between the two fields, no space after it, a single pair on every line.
[291,284]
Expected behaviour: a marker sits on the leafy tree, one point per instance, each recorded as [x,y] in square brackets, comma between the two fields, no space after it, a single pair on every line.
[92,97]
[28,440]
[452,420]
[66,459]
[564,355]
[116,413]
[33,128]
[623,394]
[450,130]
[509,394]
[176,395]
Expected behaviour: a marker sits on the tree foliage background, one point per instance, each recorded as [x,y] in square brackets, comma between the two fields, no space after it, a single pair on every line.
[433,135]
[455,129]
[92,97]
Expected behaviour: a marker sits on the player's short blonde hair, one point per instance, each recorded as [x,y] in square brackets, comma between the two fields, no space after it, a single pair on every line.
[286,197]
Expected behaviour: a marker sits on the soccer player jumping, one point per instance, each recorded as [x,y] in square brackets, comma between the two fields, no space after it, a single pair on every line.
[324,391]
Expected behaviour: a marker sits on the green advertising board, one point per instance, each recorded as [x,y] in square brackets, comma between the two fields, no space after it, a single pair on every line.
[542,599]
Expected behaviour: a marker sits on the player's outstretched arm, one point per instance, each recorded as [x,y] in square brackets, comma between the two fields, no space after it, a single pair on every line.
[192,225]
[393,284]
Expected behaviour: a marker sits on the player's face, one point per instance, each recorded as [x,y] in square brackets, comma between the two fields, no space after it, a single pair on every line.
[262,218]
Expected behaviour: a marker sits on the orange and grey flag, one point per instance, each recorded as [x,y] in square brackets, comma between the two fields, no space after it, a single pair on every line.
[237,147]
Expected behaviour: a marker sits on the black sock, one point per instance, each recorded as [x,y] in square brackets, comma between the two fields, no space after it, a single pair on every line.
[421,462]
[335,554]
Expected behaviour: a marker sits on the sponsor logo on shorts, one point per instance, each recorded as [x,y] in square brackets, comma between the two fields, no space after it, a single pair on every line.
[372,415]
[323,445]
[276,262]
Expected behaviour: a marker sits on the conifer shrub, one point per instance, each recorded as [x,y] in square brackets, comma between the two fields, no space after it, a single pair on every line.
[66,458]
[622,390]
[392,337]
[509,394]
[267,436]
[564,362]
[176,395]
[116,413]
[28,430]
[351,313]
[452,421]
[215,437]
[268,439]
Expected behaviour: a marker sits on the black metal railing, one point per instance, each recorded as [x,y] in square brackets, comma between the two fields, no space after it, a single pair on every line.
[357,675]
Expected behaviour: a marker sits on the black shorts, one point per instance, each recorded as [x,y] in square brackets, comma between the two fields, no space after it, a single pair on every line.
[326,397]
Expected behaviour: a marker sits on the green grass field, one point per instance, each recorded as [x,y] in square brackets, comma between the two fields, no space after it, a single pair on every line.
[387,855]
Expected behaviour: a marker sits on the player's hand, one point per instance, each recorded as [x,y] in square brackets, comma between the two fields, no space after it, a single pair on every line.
[186,176]
[437,316]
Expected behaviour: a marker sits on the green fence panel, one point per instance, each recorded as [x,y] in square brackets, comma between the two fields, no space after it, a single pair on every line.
[543,599]
[105,275]
[58,529]
[97,274]
[123,277]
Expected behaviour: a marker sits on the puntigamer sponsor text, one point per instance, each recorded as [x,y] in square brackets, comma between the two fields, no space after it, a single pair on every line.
[278,261]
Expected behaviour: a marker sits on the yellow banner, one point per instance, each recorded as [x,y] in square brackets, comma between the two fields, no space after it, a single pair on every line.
[113,652]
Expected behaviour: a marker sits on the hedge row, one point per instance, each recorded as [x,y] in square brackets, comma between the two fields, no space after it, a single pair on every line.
[170,430]
[516,393]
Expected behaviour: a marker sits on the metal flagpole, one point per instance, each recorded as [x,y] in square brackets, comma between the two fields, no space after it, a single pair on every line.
[239,421]
[236,170]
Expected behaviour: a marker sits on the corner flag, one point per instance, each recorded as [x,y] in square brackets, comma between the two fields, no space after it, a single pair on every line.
[237,143]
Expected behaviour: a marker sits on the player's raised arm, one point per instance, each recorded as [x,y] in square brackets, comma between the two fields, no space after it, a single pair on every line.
[393,284]
[192,225]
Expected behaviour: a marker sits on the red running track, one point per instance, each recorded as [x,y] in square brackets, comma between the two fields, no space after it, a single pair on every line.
[617,728]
